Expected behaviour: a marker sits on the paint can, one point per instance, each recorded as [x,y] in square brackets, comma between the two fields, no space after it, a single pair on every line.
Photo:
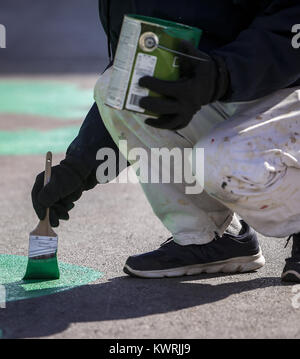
[147,47]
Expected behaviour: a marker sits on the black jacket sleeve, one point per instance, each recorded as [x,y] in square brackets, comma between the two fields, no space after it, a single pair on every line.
[262,59]
[92,136]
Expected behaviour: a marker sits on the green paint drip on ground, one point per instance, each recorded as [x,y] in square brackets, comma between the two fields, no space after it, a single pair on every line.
[44,98]
[12,269]
[28,142]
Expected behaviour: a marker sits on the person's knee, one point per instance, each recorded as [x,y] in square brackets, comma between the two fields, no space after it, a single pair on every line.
[215,171]
[233,168]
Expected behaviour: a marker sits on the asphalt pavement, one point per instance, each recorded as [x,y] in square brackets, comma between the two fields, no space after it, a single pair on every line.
[110,223]
[52,37]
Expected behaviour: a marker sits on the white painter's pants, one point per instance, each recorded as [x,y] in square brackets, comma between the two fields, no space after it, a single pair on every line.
[252,165]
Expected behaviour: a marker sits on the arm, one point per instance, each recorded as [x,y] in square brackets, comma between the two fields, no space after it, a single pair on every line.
[76,173]
[92,136]
[262,59]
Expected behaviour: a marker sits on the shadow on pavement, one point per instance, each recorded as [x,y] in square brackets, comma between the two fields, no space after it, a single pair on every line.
[119,298]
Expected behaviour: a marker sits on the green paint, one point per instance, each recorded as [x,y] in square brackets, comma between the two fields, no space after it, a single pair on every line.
[44,98]
[12,269]
[27,142]
[42,268]
[58,100]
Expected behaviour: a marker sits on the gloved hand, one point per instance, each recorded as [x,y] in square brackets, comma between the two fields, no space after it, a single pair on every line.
[201,82]
[68,180]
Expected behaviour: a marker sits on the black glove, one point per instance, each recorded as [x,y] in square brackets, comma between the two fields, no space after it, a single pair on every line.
[201,82]
[68,180]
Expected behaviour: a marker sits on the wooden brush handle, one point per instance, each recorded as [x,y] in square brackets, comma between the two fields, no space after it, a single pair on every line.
[47,178]
[44,227]
[48,167]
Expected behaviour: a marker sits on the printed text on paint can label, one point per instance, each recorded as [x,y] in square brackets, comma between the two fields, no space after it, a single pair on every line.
[123,63]
[145,66]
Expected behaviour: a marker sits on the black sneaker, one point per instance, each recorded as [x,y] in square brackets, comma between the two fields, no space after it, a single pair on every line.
[228,254]
[291,271]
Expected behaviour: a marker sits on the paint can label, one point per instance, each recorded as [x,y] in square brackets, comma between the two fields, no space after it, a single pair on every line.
[123,63]
[146,47]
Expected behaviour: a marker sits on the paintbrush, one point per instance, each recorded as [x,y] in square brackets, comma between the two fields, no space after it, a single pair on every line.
[43,243]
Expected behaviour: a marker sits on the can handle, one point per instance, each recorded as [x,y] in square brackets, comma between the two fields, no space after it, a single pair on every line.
[185,55]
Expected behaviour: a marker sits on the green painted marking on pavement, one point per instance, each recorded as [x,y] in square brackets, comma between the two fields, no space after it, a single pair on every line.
[44,98]
[12,269]
[27,142]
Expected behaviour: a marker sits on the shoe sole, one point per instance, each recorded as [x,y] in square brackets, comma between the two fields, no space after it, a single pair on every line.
[291,276]
[233,265]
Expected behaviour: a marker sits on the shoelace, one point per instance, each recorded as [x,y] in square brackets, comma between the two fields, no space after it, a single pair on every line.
[171,238]
[167,241]
[288,240]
